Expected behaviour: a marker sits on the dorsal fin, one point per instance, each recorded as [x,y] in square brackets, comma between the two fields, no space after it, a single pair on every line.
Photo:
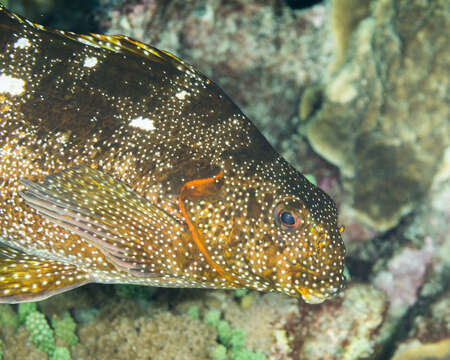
[114,43]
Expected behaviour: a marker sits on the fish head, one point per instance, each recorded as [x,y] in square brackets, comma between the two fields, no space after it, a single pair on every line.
[262,225]
[311,250]
[305,233]
[298,246]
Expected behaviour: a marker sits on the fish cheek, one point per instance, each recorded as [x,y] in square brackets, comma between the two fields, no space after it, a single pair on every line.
[187,170]
[253,208]
[199,201]
[264,255]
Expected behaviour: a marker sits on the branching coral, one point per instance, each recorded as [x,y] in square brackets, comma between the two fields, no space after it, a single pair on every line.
[40,332]
[193,312]
[64,327]
[231,339]
[8,316]
[25,309]
[61,353]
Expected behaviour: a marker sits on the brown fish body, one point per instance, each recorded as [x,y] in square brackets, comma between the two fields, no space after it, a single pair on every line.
[119,163]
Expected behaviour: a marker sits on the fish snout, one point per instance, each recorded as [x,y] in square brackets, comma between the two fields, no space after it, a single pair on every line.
[322,274]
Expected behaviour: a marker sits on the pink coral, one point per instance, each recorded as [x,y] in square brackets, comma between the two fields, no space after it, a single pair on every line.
[405,275]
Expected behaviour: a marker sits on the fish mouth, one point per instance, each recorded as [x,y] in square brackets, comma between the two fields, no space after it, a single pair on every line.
[311,297]
[315,297]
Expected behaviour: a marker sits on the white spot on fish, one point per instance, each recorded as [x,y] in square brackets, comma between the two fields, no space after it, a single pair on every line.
[11,85]
[22,43]
[143,123]
[90,62]
[182,94]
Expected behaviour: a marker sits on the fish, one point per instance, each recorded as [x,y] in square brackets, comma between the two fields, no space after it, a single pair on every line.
[122,164]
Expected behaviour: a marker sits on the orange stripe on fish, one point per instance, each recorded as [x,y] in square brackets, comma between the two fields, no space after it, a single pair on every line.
[195,188]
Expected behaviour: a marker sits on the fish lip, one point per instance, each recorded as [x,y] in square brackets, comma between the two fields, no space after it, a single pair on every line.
[314,297]
[310,297]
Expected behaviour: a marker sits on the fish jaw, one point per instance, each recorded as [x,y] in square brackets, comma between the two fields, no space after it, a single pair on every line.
[314,297]
[309,297]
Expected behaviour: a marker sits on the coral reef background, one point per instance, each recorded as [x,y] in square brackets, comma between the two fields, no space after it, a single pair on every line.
[354,92]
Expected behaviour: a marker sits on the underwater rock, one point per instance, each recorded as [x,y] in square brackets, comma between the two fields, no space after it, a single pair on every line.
[411,266]
[419,266]
[345,16]
[75,15]
[259,52]
[384,119]
[429,337]
[434,325]
[345,328]
[404,275]
[418,351]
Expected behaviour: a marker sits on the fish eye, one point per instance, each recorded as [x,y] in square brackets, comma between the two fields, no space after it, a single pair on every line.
[286,218]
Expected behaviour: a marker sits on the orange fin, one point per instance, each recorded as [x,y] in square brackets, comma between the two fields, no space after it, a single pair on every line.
[104,211]
[30,278]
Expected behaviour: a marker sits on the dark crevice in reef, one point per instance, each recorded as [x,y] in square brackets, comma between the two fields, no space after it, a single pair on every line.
[406,323]
[77,15]
[302,4]
[361,262]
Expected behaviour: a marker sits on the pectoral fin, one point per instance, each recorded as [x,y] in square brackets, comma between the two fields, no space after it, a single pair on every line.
[105,212]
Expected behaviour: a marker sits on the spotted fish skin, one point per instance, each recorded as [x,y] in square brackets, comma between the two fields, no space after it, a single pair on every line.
[120,163]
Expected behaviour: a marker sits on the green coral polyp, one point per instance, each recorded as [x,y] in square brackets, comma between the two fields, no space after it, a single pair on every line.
[64,327]
[40,332]
[212,317]
[25,309]
[8,316]
[193,312]
[230,339]
[61,353]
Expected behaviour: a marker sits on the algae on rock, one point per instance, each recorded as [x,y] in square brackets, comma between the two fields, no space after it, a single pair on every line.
[345,16]
[384,118]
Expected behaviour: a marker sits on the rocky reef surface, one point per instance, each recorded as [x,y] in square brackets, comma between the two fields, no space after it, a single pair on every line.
[353,92]
[384,115]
